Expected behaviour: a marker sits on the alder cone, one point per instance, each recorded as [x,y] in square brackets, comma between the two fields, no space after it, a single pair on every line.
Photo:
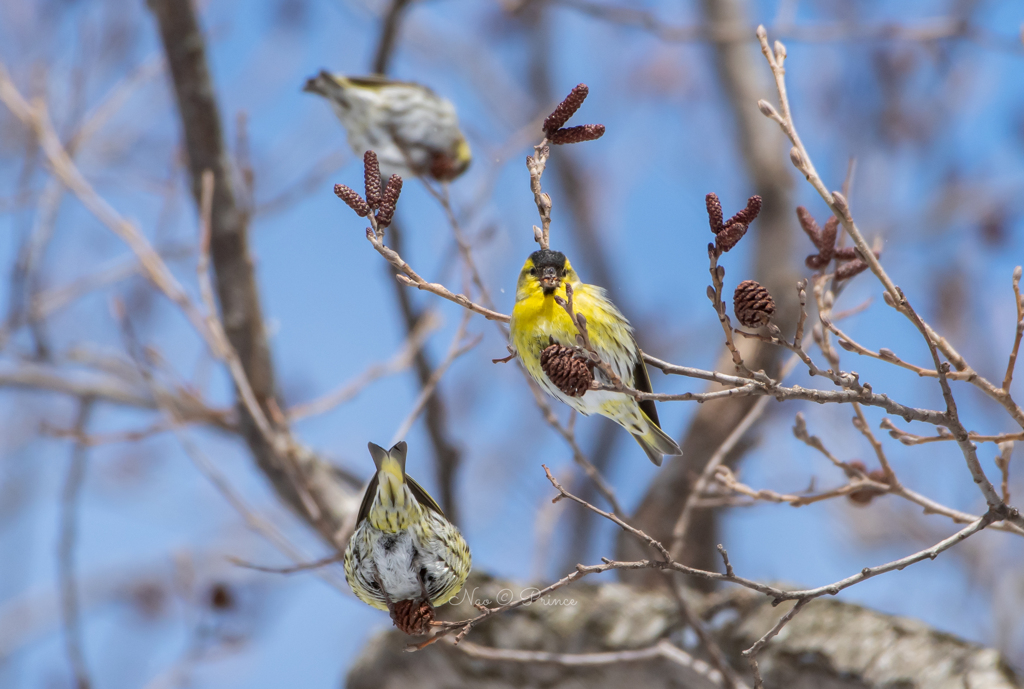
[753,305]
[570,374]
[412,616]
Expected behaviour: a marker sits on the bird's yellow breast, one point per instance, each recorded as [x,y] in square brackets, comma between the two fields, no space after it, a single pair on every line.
[536,317]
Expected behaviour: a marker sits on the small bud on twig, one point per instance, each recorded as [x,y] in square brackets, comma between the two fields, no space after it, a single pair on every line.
[839,201]
[566,109]
[768,110]
[575,135]
[352,199]
[796,158]
[780,52]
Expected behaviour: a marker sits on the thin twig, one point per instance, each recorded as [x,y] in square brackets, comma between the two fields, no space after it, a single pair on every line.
[563,493]
[457,348]
[1019,304]
[65,169]
[749,419]
[970,451]
[751,653]
[402,359]
[728,679]
[407,276]
[66,549]
[1003,462]
[300,567]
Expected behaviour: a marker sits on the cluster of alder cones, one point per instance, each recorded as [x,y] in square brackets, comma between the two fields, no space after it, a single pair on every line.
[752,304]
[728,233]
[381,201]
[554,128]
[848,262]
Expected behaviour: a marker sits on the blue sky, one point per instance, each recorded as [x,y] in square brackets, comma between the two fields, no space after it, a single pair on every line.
[932,163]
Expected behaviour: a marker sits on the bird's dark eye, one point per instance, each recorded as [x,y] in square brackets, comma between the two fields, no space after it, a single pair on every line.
[374,585]
[533,271]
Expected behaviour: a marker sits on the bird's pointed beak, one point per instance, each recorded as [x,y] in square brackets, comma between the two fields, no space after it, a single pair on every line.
[549,279]
[320,83]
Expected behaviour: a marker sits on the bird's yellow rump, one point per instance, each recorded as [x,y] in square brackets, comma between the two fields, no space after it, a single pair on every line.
[537,320]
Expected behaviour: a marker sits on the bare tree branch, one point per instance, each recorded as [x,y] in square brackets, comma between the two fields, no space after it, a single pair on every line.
[295,474]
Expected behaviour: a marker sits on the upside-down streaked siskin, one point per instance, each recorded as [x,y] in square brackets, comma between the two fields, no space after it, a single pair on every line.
[413,130]
[403,547]
[537,320]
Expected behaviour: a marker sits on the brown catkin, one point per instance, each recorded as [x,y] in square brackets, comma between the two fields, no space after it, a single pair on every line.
[575,135]
[352,198]
[389,201]
[566,109]
[747,215]
[848,270]
[371,178]
[730,236]
[816,262]
[809,225]
[714,212]
[752,304]
[570,374]
[828,238]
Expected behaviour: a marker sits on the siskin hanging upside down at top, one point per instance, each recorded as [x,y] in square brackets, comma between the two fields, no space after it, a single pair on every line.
[538,321]
[413,130]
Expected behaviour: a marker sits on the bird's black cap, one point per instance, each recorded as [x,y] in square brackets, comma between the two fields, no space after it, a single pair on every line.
[547,257]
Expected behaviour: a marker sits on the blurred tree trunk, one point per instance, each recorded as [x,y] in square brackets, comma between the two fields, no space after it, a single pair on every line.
[235,277]
[745,80]
[829,645]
